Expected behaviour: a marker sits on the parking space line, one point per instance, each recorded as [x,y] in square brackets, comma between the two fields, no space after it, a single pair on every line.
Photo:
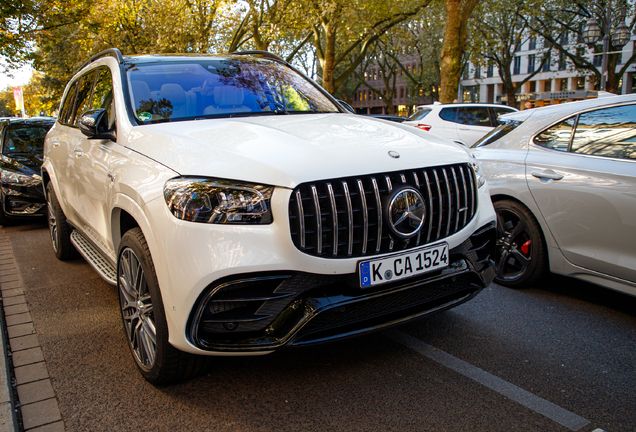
[511,391]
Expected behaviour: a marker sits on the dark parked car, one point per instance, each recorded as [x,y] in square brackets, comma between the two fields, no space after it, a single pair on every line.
[21,143]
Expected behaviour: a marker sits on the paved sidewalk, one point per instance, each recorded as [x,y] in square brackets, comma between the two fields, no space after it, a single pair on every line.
[37,401]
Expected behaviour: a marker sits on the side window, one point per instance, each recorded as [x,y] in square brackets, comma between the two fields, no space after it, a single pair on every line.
[83,100]
[103,93]
[67,104]
[558,136]
[474,116]
[448,114]
[609,132]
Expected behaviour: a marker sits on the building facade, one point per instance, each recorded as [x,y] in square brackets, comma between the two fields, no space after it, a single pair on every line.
[557,82]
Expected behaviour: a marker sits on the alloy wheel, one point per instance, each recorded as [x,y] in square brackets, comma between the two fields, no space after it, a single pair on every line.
[514,246]
[52,222]
[137,309]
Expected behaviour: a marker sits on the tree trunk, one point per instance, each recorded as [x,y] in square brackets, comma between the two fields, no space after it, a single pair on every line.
[457,14]
[328,62]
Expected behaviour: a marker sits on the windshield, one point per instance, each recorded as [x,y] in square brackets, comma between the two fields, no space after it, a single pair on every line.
[220,88]
[21,138]
[504,128]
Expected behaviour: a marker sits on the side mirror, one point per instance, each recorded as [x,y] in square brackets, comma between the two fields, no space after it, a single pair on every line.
[346,106]
[94,124]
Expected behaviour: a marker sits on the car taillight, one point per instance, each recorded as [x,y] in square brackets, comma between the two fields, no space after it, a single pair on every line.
[424,127]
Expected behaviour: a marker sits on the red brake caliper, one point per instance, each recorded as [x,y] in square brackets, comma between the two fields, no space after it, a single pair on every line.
[525,248]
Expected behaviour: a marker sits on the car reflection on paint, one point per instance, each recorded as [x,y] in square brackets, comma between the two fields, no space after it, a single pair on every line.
[21,143]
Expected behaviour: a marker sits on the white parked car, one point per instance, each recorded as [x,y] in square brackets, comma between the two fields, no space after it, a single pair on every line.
[462,123]
[563,182]
[239,208]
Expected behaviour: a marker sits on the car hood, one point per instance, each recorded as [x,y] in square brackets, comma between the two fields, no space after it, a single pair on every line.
[286,150]
[28,164]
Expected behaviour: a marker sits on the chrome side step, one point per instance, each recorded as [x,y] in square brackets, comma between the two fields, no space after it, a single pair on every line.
[90,253]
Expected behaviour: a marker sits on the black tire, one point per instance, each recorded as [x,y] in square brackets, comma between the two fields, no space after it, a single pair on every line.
[5,220]
[143,313]
[521,257]
[58,227]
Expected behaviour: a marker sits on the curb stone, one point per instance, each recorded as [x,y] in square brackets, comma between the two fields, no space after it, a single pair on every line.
[27,398]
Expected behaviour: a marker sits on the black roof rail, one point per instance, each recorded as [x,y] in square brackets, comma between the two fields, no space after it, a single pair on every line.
[114,52]
[265,54]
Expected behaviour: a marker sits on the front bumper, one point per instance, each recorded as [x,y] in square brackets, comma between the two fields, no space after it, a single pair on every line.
[23,201]
[265,311]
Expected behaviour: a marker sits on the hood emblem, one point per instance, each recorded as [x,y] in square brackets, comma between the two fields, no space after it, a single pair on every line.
[406,212]
[394,154]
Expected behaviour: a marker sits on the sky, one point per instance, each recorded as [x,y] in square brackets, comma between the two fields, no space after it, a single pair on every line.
[20,76]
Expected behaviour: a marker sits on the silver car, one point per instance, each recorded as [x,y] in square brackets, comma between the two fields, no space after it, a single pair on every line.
[563,182]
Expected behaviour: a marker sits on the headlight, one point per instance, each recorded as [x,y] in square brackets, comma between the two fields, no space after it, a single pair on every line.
[211,200]
[481,180]
[20,179]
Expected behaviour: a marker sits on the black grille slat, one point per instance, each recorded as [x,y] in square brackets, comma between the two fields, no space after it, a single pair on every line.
[343,218]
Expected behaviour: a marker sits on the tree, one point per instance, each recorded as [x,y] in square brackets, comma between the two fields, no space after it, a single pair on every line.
[423,38]
[343,27]
[458,12]
[561,24]
[503,31]
[387,68]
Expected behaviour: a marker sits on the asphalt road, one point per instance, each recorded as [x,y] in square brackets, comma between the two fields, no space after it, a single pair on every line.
[557,357]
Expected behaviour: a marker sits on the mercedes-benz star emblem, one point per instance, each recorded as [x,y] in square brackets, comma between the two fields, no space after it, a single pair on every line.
[407,212]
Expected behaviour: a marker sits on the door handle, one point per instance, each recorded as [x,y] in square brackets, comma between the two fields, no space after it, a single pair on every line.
[78,152]
[549,174]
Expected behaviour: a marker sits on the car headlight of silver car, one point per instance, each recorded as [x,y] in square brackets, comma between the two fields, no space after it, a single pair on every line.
[218,201]
[481,180]
[20,179]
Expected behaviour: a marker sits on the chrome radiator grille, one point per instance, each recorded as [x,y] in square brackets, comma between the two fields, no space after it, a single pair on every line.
[347,217]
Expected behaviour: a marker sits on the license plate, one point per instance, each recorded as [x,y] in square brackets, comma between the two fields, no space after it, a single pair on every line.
[404,265]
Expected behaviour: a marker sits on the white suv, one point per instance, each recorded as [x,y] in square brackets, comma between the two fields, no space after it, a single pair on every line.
[239,208]
[462,123]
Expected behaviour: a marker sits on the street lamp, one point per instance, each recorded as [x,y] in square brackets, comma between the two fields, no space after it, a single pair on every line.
[592,33]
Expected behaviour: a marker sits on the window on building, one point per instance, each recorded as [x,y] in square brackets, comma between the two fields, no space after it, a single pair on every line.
[580,83]
[531,60]
[562,62]
[477,73]
[563,39]
[564,85]
[532,86]
[489,70]
[580,51]
[547,85]
[546,66]
[532,43]
[516,68]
